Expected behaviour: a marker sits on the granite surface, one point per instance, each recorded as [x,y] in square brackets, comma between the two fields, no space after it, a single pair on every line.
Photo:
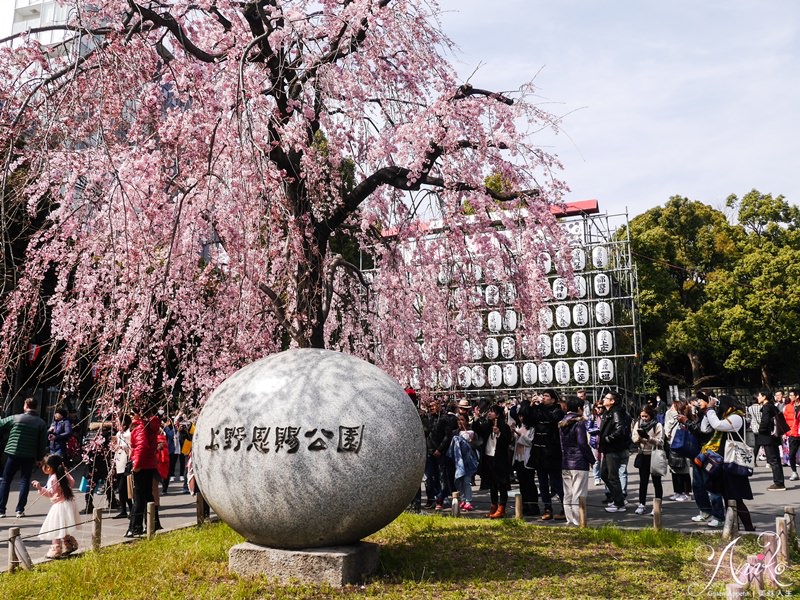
[336,566]
[308,448]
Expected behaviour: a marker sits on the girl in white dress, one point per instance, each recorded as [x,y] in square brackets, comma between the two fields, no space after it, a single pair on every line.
[62,518]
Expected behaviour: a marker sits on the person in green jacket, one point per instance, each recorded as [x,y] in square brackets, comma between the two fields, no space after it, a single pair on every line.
[27,440]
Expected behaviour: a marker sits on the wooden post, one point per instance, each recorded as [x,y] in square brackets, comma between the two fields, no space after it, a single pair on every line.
[582,511]
[755,575]
[455,504]
[783,540]
[519,513]
[151,520]
[97,528]
[791,524]
[201,508]
[13,561]
[731,521]
[657,514]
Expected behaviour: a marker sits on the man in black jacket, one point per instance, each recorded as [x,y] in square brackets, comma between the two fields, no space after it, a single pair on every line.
[545,415]
[442,430]
[614,441]
[771,443]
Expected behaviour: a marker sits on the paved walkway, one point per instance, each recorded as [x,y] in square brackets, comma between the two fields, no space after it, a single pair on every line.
[179,510]
[764,508]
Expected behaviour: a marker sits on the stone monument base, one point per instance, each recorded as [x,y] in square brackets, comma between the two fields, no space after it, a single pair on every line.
[334,565]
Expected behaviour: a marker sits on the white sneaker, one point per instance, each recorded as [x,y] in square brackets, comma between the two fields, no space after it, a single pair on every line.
[675,496]
[714,523]
[683,498]
[794,477]
[640,509]
[702,517]
[615,509]
[598,482]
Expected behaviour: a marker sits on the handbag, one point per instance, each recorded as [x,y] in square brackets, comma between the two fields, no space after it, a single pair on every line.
[684,443]
[658,462]
[738,459]
[709,461]
[637,462]
[676,461]
[84,485]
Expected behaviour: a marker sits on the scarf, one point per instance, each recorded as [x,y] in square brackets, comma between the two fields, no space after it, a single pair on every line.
[716,440]
[647,426]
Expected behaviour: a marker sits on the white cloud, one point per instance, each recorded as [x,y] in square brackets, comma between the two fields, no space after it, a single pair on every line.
[696,99]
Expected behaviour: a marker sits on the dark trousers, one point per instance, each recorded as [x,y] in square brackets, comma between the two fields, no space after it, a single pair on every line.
[774,461]
[609,473]
[644,479]
[177,459]
[122,492]
[432,485]
[550,484]
[527,484]
[498,481]
[25,467]
[142,494]
[794,447]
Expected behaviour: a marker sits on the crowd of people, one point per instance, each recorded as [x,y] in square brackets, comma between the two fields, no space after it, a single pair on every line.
[552,447]
[131,459]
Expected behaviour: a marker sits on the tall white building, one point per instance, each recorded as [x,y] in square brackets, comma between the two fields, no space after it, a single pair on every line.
[21,15]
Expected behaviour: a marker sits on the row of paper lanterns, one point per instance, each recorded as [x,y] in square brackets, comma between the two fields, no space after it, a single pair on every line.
[559,344]
[599,259]
[544,373]
[563,316]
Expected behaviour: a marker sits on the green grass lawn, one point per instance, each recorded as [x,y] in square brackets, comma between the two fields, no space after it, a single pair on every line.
[420,557]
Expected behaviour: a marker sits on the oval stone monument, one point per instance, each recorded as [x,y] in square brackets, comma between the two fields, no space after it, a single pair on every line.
[308,448]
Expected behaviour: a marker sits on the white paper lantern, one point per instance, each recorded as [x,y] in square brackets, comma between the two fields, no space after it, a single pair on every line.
[605,369]
[491,348]
[600,257]
[560,346]
[495,375]
[495,321]
[545,370]
[510,320]
[528,347]
[492,295]
[605,342]
[562,372]
[478,376]
[529,373]
[477,350]
[510,375]
[602,313]
[578,259]
[508,347]
[546,262]
[464,377]
[545,345]
[559,288]
[580,285]
[545,317]
[509,294]
[580,371]
[579,342]
[445,379]
[602,284]
[580,315]
[563,315]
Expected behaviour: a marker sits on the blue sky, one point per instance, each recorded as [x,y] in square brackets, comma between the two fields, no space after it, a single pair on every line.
[699,99]
[696,98]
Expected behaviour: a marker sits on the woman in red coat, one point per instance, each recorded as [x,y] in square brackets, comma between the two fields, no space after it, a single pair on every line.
[144,447]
